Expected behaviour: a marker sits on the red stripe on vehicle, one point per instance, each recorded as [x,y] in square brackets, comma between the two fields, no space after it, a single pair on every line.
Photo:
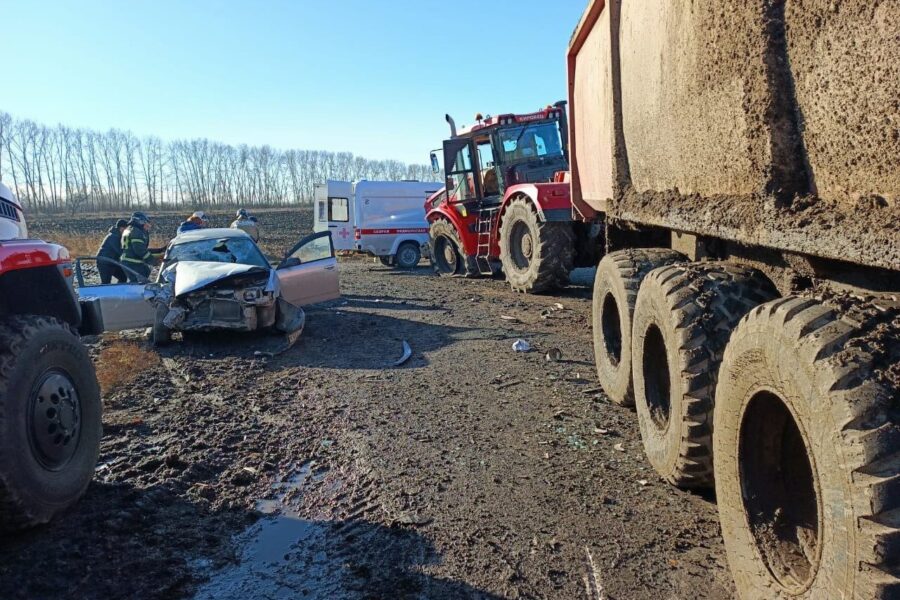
[392,231]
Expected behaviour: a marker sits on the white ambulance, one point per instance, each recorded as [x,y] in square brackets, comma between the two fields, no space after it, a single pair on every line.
[380,218]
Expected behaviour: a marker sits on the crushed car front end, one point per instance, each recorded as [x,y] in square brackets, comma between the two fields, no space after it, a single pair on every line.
[204,297]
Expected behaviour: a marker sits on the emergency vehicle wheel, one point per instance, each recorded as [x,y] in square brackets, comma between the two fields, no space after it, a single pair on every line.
[50,420]
[408,255]
[446,257]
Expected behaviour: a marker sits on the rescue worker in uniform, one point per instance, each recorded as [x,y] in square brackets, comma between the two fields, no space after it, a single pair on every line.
[111,250]
[136,253]
[246,223]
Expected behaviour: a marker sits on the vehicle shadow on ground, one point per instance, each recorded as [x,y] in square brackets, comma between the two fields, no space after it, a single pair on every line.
[336,338]
[339,339]
[388,303]
[121,541]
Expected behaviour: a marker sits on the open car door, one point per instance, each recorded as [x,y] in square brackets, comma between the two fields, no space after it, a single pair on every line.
[309,272]
[122,305]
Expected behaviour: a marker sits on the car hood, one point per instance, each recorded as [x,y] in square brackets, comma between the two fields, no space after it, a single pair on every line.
[191,276]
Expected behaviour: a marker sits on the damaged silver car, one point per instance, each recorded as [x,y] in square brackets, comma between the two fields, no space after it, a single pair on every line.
[218,279]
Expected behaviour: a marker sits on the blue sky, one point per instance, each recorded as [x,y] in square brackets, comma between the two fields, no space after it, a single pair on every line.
[373,78]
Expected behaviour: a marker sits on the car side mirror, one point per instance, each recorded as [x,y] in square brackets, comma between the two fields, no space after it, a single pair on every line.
[291,261]
[435,165]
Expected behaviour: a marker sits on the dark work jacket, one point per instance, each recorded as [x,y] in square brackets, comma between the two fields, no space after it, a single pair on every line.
[187,226]
[112,244]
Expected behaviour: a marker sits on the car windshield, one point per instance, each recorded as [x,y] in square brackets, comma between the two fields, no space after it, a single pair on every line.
[229,250]
[530,141]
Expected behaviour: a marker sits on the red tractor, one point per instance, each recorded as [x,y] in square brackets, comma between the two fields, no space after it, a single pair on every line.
[506,205]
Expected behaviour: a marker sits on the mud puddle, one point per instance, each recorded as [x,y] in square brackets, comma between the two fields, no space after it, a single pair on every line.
[282,555]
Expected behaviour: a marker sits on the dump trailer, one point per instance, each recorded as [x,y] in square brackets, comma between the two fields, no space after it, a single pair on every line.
[744,159]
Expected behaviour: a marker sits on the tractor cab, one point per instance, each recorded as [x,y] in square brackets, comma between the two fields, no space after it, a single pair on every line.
[502,208]
[481,162]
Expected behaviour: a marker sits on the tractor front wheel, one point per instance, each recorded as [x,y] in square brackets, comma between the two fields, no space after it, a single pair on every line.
[537,256]
[446,249]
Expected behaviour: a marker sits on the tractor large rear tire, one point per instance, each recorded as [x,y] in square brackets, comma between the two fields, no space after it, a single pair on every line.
[537,256]
[50,420]
[807,452]
[447,256]
[616,286]
[683,318]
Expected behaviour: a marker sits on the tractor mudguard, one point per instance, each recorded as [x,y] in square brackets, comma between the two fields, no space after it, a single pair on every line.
[468,238]
[552,200]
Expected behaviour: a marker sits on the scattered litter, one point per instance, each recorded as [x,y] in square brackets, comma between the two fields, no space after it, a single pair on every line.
[643,482]
[327,443]
[561,414]
[509,318]
[559,306]
[600,431]
[407,353]
[503,386]
[620,447]
[553,355]
[521,346]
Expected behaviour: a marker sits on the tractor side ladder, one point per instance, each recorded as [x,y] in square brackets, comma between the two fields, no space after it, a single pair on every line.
[485,233]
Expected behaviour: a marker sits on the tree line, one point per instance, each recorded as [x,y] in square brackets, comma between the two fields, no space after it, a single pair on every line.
[60,168]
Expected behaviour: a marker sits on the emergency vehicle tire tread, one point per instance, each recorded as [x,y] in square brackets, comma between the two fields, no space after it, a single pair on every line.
[32,349]
[408,256]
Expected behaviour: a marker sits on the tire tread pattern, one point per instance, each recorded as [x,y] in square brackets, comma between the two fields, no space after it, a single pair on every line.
[851,386]
[706,301]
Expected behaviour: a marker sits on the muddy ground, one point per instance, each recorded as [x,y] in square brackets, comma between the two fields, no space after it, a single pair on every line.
[471,471]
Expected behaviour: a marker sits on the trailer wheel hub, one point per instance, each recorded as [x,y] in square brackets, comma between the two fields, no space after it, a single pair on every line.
[55,415]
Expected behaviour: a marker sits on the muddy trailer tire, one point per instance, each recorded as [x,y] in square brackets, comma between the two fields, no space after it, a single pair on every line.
[537,256]
[408,256]
[50,420]
[806,453]
[447,255]
[616,285]
[683,318]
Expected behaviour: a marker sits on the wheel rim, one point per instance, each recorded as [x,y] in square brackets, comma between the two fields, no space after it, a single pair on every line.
[521,245]
[657,386]
[446,256]
[781,500]
[408,256]
[55,420]
[612,329]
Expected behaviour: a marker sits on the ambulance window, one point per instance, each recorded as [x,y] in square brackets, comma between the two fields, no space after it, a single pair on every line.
[340,209]
[323,211]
